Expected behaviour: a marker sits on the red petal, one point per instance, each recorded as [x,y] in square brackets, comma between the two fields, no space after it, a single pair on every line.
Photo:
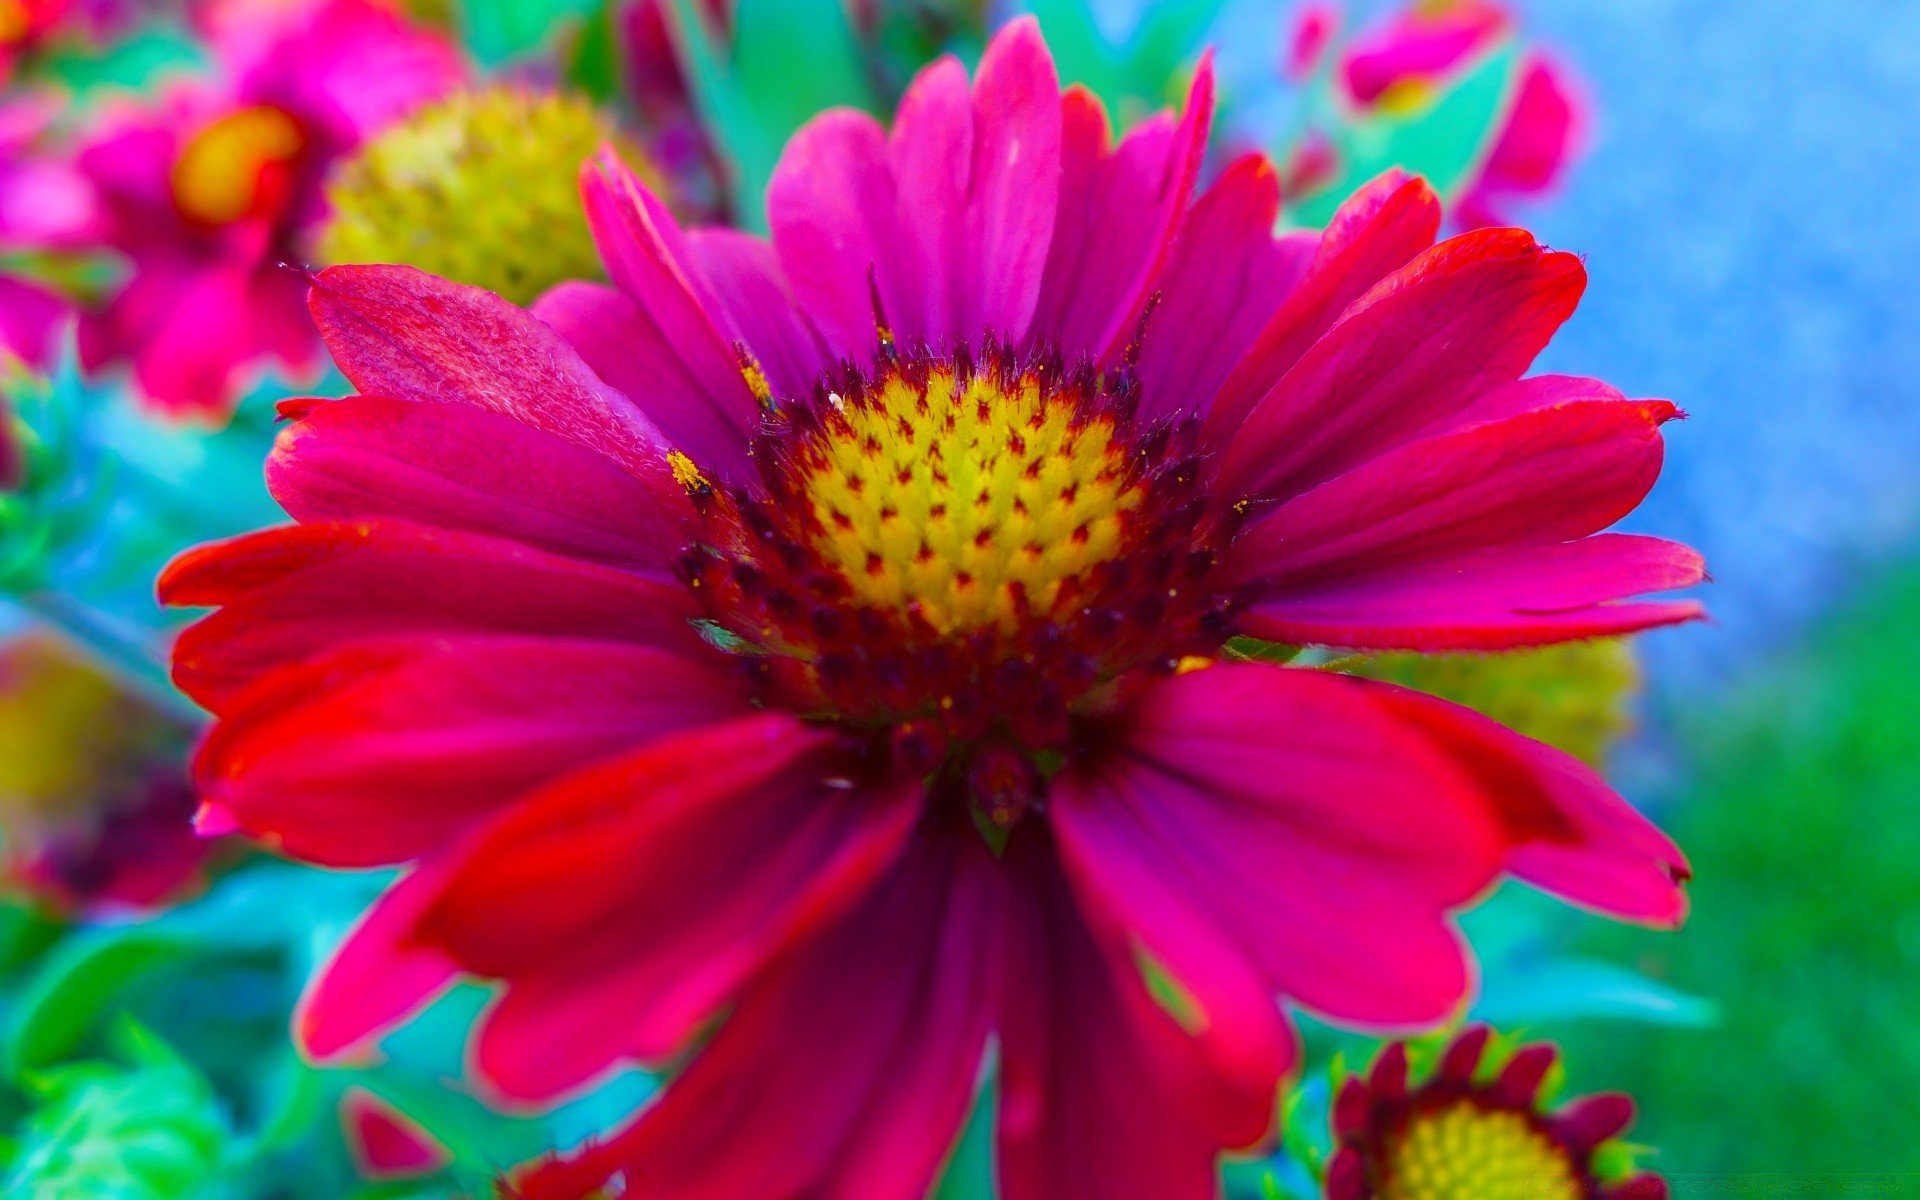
[458,467]
[1493,600]
[376,754]
[892,1005]
[624,904]
[1375,233]
[293,592]
[407,335]
[1102,1093]
[1570,833]
[1292,817]
[1549,475]
[1467,316]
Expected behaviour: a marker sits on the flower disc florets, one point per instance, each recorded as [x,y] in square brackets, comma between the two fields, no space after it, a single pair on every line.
[1475,1127]
[963,548]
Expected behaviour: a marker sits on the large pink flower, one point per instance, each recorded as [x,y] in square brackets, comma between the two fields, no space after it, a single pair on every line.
[210,190]
[808,657]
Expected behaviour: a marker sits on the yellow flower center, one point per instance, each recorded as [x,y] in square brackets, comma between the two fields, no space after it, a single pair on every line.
[966,501]
[228,170]
[1465,1152]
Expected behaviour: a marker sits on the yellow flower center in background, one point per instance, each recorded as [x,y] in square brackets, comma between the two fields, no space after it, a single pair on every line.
[966,502]
[1465,1152]
[222,175]
[482,187]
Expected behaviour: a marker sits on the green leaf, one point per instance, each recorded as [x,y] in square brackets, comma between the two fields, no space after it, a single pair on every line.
[135,63]
[79,981]
[789,61]
[498,31]
[1562,988]
[146,1128]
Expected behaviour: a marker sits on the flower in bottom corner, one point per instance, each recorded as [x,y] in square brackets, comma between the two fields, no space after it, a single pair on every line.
[1475,1127]
[805,662]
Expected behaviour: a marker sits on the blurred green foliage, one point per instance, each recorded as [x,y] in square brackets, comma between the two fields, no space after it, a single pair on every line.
[1803,825]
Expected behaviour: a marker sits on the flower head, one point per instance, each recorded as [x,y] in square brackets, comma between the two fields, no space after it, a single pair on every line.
[476,188]
[95,809]
[1475,1128]
[208,192]
[830,635]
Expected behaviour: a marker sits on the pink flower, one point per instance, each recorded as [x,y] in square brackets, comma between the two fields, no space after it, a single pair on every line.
[859,697]
[209,191]
[1429,45]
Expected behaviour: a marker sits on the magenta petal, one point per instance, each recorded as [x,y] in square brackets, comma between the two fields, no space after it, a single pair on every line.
[378,753]
[1465,317]
[378,977]
[625,904]
[1548,475]
[1014,190]
[30,317]
[1318,834]
[1493,600]
[625,350]
[1225,277]
[756,309]
[1375,233]
[1119,210]
[712,410]
[1102,1091]
[460,467]
[930,153]
[895,1001]
[834,212]
[1570,833]
[293,592]
[407,335]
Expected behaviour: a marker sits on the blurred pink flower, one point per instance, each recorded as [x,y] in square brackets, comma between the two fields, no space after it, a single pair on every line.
[1424,47]
[207,191]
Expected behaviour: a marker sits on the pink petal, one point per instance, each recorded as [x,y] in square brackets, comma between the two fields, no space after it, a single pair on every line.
[1224,279]
[293,592]
[1463,318]
[1014,187]
[406,335]
[951,217]
[1549,475]
[833,208]
[625,904]
[893,1003]
[376,754]
[384,1142]
[931,152]
[30,317]
[1102,1093]
[756,308]
[624,348]
[1569,833]
[1323,841]
[1375,233]
[1119,210]
[378,977]
[455,466]
[649,258]
[1493,600]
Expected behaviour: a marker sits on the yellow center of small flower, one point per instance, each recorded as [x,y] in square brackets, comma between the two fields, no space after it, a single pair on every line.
[1465,1152]
[967,501]
[221,175]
